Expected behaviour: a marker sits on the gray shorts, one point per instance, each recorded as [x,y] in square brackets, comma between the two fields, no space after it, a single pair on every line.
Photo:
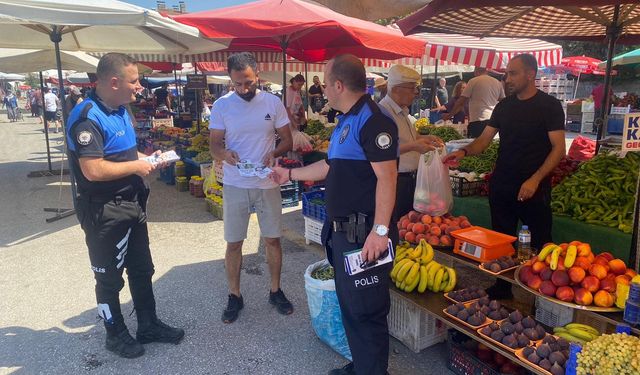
[239,203]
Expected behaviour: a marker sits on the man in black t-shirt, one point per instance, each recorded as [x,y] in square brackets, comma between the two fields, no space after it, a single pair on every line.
[532,142]
[163,99]
[316,95]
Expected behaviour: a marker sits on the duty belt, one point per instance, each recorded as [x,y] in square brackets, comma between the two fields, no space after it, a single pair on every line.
[354,226]
[127,196]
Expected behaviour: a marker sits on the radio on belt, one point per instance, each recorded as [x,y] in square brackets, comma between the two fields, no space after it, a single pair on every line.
[354,264]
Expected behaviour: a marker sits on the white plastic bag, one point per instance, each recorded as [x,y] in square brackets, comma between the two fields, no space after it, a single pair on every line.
[433,187]
[324,311]
[301,142]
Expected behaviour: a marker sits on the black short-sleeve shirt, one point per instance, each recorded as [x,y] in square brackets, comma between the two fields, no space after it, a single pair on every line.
[363,135]
[524,140]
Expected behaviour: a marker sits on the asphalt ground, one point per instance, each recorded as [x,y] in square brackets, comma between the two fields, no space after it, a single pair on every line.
[48,319]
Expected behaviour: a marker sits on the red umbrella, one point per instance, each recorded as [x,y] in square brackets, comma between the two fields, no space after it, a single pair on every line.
[305,30]
[583,65]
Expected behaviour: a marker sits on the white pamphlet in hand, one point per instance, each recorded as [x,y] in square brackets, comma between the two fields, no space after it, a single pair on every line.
[246,168]
[166,157]
[354,264]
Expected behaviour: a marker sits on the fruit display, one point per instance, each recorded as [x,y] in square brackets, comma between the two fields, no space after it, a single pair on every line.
[576,332]
[415,269]
[499,265]
[630,99]
[565,168]
[415,226]
[319,135]
[199,143]
[478,313]
[551,354]
[516,331]
[482,163]
[572,274]
[602,191]
[467,294]
[446,133]
[615,354]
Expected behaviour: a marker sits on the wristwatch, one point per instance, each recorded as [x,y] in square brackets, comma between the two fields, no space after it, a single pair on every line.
[380,230]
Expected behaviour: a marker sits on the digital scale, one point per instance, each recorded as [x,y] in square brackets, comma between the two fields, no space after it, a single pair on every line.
[482,244]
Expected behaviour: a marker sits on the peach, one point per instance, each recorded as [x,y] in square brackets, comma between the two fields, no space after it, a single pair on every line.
[583,297]
[434,241]
[465,224]
[547,260]
[410,227]
[462,218]
[560,265]
[603,298]
[538,267]
[607,255]
[451,228]
[617,266]
[565,293]
[410,237]
[591,283]
[584,249]
[534,282]
[436,231]
[399,225]
[404,223]
[608,284]
[623,279]
[443,227]
[402,233]
[546,273]
[446,221]
[413,216]
[575,243]
[591,257]
[547,288]
[598,270]
[564,246]
[582,262]
[526,272]
[426,219]
[631,273]
[601,260]
[576,274]
[421,236]
[437,220]
[418,228]
[446,241]
[560,278]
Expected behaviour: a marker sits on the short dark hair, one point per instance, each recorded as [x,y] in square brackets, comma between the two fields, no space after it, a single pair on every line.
[45,89]
[528,60]
[349,70]
[111,65]
[241,61]
[297,78]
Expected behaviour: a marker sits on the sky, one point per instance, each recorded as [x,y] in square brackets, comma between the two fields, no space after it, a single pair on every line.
[192,5]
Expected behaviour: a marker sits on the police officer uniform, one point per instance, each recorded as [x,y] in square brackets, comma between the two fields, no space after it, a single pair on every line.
[363,135]
[113,213]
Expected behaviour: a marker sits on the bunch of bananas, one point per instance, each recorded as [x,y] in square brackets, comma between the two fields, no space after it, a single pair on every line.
[415,268]
[576,332]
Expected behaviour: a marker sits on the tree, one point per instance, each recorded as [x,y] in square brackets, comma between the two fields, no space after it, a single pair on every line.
[32,80]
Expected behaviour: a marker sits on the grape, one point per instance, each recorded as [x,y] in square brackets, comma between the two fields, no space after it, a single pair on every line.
[614,354]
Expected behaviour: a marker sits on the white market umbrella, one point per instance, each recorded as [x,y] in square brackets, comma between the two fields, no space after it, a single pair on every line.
[28,60]
[11,77]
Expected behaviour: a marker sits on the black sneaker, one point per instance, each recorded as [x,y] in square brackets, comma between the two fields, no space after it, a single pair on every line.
[152,329]
[281,302]
[346,370]
[234,305]
[123,344]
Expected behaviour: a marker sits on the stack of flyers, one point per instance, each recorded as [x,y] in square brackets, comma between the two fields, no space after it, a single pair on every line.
[354,264]
[251,169]
[166,157]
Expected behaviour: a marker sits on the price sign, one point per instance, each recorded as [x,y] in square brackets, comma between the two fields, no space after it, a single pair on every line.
[196,81]
[471,249]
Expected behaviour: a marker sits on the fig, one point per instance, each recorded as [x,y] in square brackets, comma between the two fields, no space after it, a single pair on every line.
[510,342]
[495,315]
[497,335]
[545,364]
[523,341]
[453,310]
[507,328]
[526,352]
[504,313]
[541,332]
[472,310]
[556,369]
[494,305]
[557,357]
[549,340]
[530,333]
[533,358]
[528,322]
[495,267]
[515,316]
[494,326]
[555,347]
[518,327]
[503,264]
[463,315]
[460,306]
[544,351]
[485,310]
[486,331]
[484,301]
[564,344]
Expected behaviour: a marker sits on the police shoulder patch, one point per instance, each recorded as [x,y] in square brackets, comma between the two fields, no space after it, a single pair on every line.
[85,137]
[384,141]
[344,133]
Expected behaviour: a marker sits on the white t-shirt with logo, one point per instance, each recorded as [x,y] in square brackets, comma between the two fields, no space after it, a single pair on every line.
[50,100]
[250,131]
[484,92]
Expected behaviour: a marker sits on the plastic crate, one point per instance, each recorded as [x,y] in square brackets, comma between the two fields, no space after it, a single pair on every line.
[313,210]
[192,168]
[412,326]
[461,360]
[290,194]
[552,314]
[460,187]
[590,319]
[312,230]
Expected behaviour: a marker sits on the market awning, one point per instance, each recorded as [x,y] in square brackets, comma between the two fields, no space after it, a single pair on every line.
[631,57]
[26,60]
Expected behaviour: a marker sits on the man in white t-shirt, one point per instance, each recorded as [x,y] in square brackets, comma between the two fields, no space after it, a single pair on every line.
[243,127]
[483,92]
[51,103]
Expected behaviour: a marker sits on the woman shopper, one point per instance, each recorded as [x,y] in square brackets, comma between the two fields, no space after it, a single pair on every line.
[295,106]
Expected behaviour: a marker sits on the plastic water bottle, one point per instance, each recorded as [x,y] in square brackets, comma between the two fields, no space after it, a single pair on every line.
[524,244]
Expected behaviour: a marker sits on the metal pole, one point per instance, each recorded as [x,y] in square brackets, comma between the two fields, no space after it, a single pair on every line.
[433,87]
[306,88]
[283,44]
[175,81]
[197,92]
[613,32]
[575,90]
[46,126]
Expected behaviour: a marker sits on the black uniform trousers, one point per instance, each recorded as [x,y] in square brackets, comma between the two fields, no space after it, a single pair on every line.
[535,212]
[364,305]
[405,190]
[117,237]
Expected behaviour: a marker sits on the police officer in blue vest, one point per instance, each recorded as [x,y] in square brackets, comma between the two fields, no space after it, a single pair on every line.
[360,174]
[111,208]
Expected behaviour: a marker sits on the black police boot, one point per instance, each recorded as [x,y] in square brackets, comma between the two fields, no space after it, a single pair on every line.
[151,329]
[120,341]
[346,370]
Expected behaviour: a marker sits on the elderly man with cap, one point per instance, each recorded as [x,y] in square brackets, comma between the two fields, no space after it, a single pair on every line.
[403,85]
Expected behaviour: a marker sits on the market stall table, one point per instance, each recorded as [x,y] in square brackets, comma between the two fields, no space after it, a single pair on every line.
[565,229]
